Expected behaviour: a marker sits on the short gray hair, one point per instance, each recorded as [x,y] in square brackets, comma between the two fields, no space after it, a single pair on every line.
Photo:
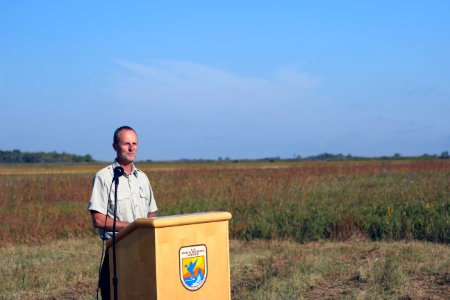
[118,130]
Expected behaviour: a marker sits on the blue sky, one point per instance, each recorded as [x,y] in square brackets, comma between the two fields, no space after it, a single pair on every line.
[237,79]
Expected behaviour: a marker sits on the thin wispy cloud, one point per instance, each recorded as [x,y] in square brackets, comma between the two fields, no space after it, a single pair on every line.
[216,108]
[177,81]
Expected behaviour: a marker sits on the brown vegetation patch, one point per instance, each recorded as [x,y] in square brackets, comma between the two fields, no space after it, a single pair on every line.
[336,286]
[433,286]
[254,276]
[81,289]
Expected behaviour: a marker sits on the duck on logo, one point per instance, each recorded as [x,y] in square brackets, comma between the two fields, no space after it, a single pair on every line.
[193,266]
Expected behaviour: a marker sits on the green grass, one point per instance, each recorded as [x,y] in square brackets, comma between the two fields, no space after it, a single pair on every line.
[355,269]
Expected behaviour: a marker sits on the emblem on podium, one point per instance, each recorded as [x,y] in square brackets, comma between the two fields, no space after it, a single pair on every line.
[193,266]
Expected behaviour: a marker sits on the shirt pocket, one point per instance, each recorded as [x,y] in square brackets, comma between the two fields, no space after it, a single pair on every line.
[123,203]
[144,198]
[144,193]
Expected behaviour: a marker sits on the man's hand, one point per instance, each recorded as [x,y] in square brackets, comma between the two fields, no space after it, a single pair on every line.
[103,221]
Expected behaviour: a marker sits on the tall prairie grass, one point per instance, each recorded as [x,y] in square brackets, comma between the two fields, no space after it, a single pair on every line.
[300,201]
[48,247]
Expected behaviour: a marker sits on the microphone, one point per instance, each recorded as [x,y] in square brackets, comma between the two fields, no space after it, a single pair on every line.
[118,171]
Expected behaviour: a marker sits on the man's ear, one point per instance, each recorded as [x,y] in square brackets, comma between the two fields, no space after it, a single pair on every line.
[114,146]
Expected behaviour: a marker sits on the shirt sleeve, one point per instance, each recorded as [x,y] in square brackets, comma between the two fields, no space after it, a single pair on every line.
[152,206]
[99,197]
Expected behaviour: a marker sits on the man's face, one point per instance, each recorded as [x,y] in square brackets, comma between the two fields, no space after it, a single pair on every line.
[127,146]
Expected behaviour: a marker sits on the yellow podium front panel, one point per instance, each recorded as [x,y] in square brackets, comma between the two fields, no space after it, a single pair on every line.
[174,257]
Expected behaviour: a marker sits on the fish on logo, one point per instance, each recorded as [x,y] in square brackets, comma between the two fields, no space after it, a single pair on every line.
[193,266]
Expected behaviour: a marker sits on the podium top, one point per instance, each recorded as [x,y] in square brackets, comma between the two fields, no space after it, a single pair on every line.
[174,220]
[177,220]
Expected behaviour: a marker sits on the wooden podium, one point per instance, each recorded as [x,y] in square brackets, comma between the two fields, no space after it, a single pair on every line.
[173,257]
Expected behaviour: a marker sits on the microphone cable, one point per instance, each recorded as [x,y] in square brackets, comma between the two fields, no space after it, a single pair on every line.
[102,257]
[100,266]
[118,171]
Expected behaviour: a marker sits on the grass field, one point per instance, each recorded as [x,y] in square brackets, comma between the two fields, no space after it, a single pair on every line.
[369,229]
[354,269]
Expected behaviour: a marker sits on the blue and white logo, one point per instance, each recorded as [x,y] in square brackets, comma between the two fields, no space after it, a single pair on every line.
[193,266]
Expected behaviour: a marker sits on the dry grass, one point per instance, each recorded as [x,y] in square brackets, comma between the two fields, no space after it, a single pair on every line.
[49,250]
[355,269]
[60,269]
[342,270]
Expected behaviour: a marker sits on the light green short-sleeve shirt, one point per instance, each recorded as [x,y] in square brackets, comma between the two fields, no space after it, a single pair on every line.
[134,196]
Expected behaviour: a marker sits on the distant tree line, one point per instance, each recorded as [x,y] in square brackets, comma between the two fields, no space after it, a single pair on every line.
[16,156]
[320,157]
[340,157]
[396,156]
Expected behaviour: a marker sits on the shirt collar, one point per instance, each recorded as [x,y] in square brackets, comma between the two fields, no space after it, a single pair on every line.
[134,170]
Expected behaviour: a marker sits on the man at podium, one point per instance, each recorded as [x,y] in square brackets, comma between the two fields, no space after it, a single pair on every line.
[135,197]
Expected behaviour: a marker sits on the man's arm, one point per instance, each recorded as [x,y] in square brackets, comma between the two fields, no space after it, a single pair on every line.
[102,221]
[151,215]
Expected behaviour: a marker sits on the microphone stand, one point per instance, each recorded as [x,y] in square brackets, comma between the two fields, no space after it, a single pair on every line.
[118,171]
[114,239]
